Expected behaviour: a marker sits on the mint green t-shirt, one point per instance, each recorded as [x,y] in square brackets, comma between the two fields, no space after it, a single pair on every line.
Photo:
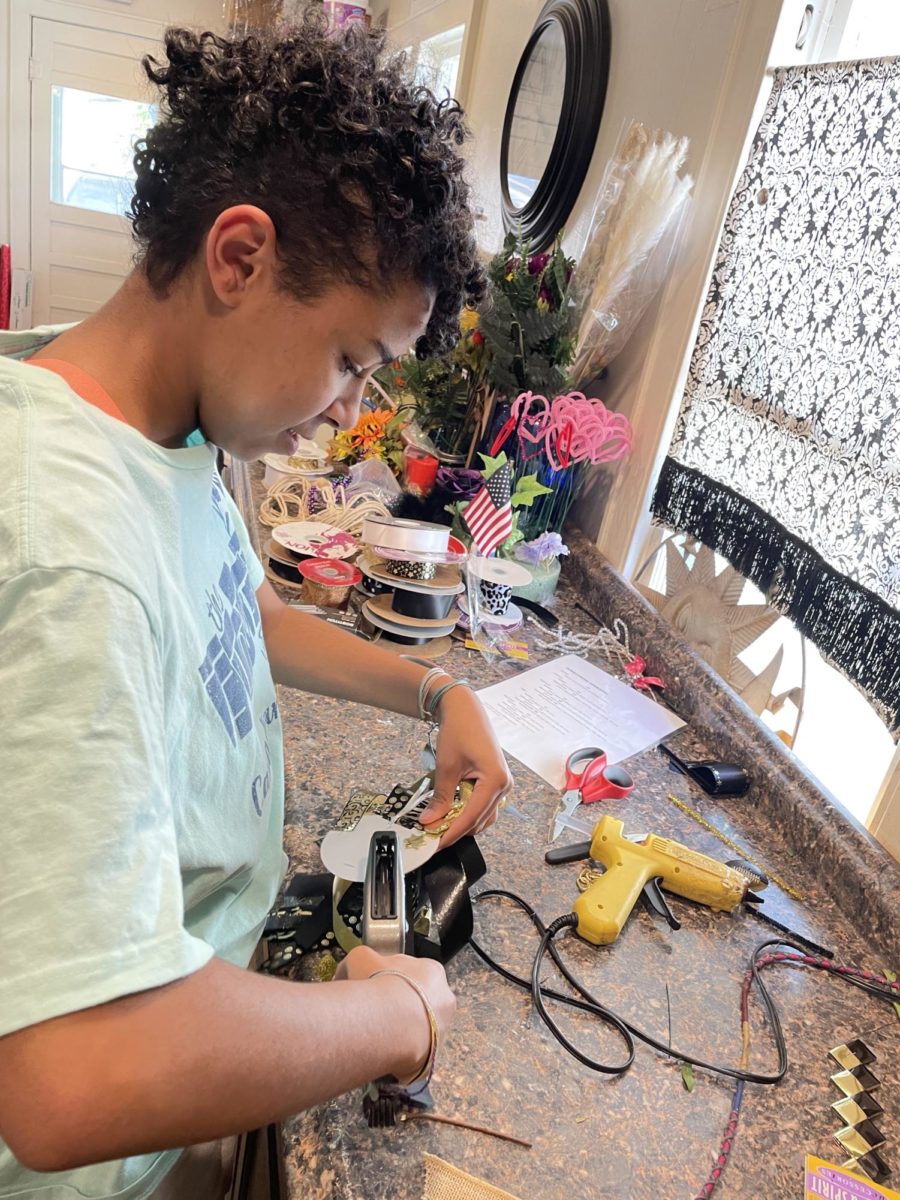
[141,749]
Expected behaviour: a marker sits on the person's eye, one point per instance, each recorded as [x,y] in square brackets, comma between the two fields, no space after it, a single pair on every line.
[350,368]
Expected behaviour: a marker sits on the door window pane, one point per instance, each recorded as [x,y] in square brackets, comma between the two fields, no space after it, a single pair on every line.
[436,64]
[92,147]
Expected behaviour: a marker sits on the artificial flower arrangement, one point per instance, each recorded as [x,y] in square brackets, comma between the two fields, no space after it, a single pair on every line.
[524,337]
[377,434]
[438,390]
[557,442]
[524,492]
[529,324]
[541,550]
[442,390]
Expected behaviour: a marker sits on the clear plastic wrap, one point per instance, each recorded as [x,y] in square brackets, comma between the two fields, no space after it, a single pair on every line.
[628,248]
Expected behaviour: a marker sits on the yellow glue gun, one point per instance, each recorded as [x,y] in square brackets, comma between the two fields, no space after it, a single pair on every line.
[632,867]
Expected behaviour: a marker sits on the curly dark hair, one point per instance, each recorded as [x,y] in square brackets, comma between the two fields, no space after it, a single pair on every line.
[358,167]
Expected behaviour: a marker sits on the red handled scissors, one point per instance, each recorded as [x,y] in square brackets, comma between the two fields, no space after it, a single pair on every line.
[588,779]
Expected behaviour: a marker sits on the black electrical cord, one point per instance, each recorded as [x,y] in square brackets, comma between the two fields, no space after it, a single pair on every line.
[627,1031]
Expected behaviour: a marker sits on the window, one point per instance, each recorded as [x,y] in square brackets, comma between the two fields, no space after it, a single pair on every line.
[92,148]
[437,61]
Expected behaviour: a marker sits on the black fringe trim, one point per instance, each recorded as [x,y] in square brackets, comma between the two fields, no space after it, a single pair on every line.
[855,630]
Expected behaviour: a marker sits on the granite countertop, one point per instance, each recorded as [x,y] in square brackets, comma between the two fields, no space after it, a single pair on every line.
[641,1135]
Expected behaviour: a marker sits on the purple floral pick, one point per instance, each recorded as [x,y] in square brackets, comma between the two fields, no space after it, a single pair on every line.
[548,545]
[537,262]
[460,482]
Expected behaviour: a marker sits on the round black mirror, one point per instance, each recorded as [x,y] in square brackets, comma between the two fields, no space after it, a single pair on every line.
[553,116]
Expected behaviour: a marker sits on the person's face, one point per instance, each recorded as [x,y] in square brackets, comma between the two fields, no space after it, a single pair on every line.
[275,367]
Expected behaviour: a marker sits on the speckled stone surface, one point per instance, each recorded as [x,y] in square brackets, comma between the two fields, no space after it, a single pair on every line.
[863,879]
[640,1135]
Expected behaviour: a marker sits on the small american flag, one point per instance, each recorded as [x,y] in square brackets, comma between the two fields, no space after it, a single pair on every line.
[489,514]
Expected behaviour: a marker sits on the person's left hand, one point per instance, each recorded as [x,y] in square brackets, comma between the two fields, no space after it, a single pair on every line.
[467,749]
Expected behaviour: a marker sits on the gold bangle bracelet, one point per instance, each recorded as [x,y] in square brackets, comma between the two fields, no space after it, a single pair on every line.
[423,1078]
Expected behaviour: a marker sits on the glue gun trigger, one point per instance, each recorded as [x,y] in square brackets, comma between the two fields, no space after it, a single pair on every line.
[655,902]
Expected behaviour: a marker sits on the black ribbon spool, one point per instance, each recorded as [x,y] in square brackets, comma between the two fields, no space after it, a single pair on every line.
[444,881]
[283,571]
[374,587]
[428,607]
[406,641]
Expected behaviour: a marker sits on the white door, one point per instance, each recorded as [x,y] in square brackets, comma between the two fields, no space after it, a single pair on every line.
[90,100]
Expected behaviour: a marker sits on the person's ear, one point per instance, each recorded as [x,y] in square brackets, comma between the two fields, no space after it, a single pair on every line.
[240,252]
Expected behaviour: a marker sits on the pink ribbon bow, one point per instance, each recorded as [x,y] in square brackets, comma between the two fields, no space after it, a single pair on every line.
[635,672]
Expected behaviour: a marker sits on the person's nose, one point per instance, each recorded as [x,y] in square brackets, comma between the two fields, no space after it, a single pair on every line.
[344,409]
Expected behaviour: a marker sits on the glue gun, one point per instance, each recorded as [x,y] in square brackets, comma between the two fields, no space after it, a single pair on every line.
[635,867]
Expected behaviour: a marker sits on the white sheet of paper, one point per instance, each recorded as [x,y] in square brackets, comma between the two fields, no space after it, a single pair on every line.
[542,715]
[345,852]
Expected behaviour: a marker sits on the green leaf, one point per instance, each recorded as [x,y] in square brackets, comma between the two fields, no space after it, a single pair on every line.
[559,272]
[527,491]
[491,465]
[687,1076]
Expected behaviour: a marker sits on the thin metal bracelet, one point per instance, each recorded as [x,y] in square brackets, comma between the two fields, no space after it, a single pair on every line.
[439,694]
[424,1076]
[430,674]
[424,684]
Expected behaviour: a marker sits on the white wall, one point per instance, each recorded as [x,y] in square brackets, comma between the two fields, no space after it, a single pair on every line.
[505,28]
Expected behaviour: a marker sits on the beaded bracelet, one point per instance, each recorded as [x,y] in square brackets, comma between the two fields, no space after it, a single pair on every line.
[424,1076]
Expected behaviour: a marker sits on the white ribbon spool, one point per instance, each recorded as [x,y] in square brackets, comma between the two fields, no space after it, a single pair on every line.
[398,533]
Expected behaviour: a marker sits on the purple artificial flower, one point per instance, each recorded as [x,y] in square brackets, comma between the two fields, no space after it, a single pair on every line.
[461,483]
[540,549]
[537,263]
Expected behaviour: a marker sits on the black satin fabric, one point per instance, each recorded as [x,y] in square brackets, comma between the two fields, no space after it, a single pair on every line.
[424,607]
[446,880]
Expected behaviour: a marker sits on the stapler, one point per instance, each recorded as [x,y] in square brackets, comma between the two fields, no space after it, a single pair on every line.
[384,930]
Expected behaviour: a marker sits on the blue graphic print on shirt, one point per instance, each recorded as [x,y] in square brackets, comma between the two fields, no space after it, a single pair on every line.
[227,669]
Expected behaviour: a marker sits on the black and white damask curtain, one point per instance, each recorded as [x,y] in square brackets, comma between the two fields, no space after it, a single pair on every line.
[786,455]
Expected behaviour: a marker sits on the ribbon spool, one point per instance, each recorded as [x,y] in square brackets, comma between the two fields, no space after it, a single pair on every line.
[495,597]
[432,606]
[406,631]
[282,562]
[398,533]
[411,569]
[283,571]
[374,587]
[327,582]
[446,577]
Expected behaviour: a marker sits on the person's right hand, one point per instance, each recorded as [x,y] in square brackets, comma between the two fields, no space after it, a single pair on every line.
[413,1030]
